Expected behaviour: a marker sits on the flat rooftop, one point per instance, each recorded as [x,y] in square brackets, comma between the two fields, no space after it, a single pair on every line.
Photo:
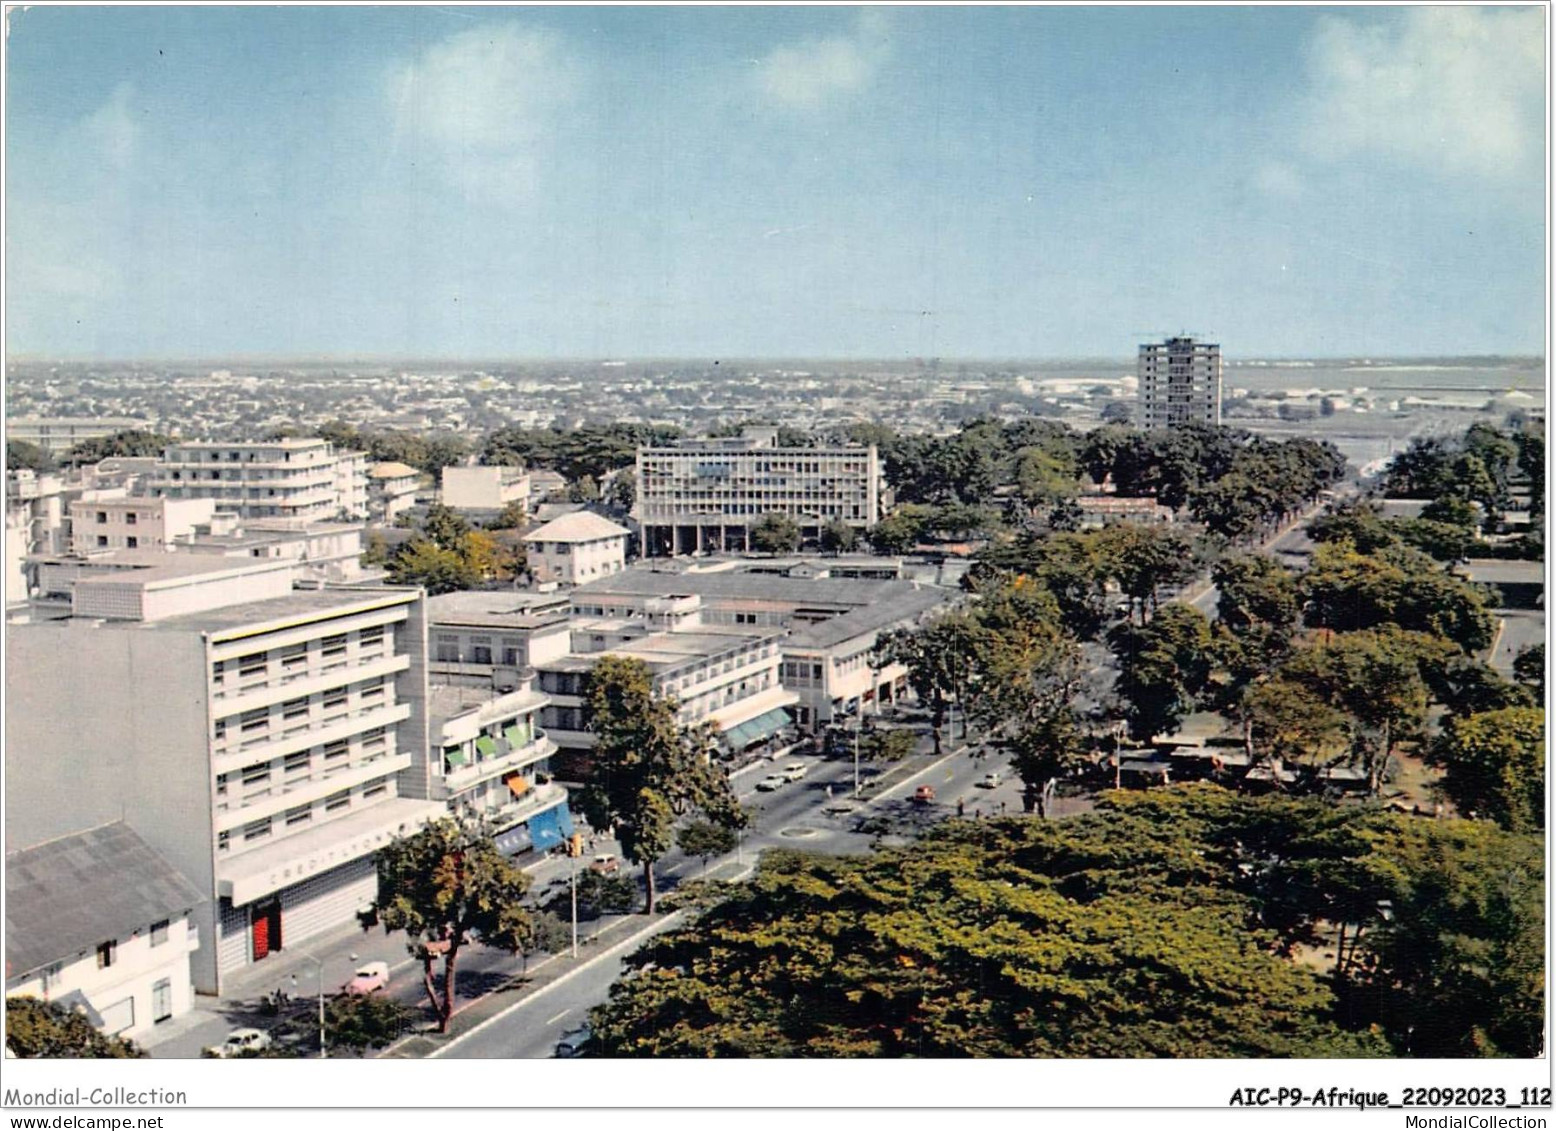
[449,701]
[502,608]
[664,650]
[299,604]
[894,609]
[840,591]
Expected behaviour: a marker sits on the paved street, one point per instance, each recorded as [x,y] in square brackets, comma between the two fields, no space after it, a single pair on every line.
[1520,628]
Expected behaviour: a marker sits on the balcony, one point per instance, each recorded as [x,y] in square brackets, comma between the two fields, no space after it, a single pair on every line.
[508,758]
[232,814]
[520,809]
[235,757]
[294,685]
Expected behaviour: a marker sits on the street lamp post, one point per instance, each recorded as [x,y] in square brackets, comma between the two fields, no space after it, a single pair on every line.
[572,879]
[319,965]
[858,727]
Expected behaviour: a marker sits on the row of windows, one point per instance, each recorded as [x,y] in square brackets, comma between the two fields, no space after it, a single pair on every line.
[108,952]
[300,815]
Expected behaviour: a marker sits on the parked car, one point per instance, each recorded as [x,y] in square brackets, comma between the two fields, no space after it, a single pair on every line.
[605,863]
[772,782]
[924,793]
[575,1042]
[240,1041]
[990,780]
[369,977]
[794,771]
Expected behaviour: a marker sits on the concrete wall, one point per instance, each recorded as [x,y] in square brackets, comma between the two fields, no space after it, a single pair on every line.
[107,724]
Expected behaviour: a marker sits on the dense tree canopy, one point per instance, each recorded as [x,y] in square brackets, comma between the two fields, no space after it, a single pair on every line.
[133,442]
[593,450]
[22,455]
[1159,926]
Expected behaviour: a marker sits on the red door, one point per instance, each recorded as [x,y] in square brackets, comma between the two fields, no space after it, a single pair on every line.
[261,934]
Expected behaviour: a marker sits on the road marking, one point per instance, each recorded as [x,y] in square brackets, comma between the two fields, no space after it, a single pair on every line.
[664,924]
[558,1017]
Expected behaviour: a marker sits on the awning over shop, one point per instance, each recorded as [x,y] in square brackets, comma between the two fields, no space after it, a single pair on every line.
[755,730]
[545,829]
[487,746]
[514,841]
[518,784]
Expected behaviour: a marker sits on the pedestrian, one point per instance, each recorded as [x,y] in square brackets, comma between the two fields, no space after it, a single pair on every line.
[1002,808]
[961,807]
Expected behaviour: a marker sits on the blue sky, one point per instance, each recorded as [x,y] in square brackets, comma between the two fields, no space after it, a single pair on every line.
[821,182]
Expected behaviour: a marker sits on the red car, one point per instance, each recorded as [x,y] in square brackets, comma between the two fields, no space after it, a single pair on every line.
[924,793]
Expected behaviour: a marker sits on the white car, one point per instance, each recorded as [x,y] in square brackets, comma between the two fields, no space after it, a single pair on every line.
[990,780]
[240,1041]
[794,771]
[772,782]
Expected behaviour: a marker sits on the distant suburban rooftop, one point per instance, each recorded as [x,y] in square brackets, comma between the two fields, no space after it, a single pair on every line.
[580,526]
[391,470]
[66,896]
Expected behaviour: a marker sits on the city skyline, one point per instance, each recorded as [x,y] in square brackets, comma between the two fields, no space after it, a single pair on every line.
[776,182]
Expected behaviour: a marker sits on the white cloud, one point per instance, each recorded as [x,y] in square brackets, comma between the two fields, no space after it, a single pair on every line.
[807,75]
[111,131]
[484,104]
[1458,90]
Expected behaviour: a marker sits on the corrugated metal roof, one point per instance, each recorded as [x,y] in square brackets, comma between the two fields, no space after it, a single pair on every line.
[69,895]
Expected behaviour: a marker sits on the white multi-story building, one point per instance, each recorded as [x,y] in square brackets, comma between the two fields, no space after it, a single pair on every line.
[99,920]
[577,548]
[133,523]
[391,490]
[492,760]
[58,434]
[1180,383]
[271,740]
[700,496]
[830,626]
[297,478]
[484,488]
[724,676]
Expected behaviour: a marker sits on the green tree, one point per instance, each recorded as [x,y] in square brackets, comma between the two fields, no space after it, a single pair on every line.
[938,657]
[648,769]
[437,570]
[1164,666]
[890,744]
[445,527]
[1145,559]
[366,1021]
[1529,666]
[603,893]
[22,455]
[448,887]
[775,534]
[902,530]
[1494,766]
[1375,678]
[514,516]
[837,537]
[132,442]
[705,840]
[35,1028]
[1285,722]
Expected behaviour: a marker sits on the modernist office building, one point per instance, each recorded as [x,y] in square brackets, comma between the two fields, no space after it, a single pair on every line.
[705,495]
[266,741]
[1180,383]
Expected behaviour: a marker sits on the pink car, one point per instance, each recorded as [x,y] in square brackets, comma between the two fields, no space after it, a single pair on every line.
[373,976]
